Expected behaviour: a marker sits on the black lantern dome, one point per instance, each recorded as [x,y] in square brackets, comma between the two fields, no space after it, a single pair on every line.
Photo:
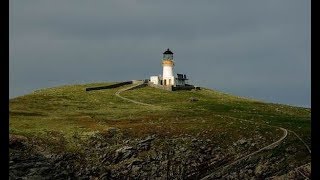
[168,55]
[168,51]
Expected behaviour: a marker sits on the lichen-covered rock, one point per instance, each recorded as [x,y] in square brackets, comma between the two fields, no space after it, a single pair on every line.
[123,153]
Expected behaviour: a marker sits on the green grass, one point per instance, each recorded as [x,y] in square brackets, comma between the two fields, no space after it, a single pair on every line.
[58,115]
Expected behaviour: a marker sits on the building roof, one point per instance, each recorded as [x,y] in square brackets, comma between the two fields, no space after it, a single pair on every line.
[182,77]
[168,51]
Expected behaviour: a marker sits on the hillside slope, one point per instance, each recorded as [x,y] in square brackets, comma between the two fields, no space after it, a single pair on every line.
[182,134]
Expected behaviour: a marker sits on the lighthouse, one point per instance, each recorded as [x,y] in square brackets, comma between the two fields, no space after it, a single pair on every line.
[168,80]
[167,64]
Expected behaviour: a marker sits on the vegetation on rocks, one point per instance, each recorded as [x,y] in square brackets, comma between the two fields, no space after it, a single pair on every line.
[65,132]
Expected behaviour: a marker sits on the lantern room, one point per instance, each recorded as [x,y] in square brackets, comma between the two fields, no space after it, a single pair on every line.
[168,55]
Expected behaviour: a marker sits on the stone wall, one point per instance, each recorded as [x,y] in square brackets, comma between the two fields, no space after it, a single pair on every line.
[172,88]
[139,86]
[110,86]
[168,88]
[137,81]
[182,88]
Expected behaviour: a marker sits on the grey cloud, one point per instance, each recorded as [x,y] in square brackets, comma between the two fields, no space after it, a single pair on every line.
[258,48]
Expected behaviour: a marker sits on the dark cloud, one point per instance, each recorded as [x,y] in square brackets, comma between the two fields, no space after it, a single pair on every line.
[248,48]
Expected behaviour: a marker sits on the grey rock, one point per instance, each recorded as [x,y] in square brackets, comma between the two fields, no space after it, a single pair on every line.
[242,141]
[124,153]
[291,149]
[145,144]
[193,99]
[17,141]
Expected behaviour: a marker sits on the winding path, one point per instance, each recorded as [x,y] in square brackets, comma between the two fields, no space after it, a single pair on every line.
[270,146]
[127,99]
[133,101]
[305,144]
[302,174]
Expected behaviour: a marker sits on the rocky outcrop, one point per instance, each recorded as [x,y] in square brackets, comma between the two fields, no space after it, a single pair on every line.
[111,155]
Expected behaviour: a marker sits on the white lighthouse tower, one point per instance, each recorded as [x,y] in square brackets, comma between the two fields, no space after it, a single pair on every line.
[168,64]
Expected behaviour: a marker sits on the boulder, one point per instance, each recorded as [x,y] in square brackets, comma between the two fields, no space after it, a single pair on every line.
[242,141]
[193,99]
[123,153]
[145,144]
[17,141]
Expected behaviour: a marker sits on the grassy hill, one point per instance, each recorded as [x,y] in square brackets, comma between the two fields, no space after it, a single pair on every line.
[68,119]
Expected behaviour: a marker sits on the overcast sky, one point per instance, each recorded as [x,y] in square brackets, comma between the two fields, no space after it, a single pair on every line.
[250,48]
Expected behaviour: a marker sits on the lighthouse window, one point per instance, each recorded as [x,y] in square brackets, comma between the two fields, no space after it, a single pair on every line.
[168,56]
